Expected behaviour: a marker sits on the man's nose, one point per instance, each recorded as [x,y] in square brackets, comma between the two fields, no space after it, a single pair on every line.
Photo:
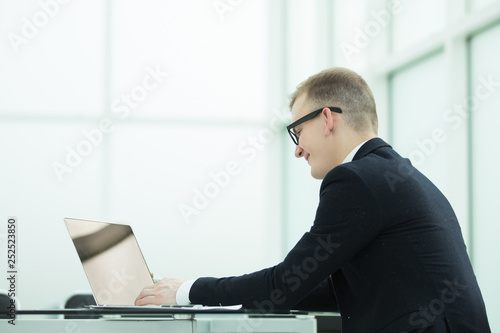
[299,152]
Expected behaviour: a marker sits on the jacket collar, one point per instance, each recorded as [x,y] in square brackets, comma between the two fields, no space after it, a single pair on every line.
[370,146]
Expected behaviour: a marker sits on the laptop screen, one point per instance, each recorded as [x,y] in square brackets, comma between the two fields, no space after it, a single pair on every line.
[112,260]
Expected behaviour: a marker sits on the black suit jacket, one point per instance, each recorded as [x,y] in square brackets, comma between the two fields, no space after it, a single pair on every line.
[385,250]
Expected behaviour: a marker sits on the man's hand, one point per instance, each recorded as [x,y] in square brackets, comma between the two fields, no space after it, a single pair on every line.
[161,293]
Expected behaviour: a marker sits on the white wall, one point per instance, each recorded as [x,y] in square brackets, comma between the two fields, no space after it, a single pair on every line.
[199,77]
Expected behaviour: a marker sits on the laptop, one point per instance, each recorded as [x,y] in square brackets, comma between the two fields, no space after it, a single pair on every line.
[115,266]
[112,260]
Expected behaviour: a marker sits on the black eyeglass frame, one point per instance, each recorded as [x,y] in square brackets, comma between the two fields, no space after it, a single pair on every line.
[307,117]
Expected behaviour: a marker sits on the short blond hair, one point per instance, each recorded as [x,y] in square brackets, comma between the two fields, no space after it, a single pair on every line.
[345,89]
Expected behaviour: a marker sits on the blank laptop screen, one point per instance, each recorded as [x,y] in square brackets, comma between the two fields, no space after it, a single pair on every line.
[112,260]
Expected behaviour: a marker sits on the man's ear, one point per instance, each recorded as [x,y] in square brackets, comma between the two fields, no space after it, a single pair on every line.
[330,119]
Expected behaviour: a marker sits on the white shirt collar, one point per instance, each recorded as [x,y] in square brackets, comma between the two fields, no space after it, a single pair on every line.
[353,152]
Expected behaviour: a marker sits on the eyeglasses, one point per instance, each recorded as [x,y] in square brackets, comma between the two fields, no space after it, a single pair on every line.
[291,128]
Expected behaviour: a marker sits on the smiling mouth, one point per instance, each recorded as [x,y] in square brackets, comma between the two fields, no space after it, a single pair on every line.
[307,157]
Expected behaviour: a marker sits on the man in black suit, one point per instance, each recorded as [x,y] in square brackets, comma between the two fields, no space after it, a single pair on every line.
[385,249]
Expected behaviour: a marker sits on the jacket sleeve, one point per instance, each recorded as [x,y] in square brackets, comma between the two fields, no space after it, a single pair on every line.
[346,221]
[322,298]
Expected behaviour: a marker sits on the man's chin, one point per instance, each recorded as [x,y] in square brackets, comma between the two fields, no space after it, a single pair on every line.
[317,175]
